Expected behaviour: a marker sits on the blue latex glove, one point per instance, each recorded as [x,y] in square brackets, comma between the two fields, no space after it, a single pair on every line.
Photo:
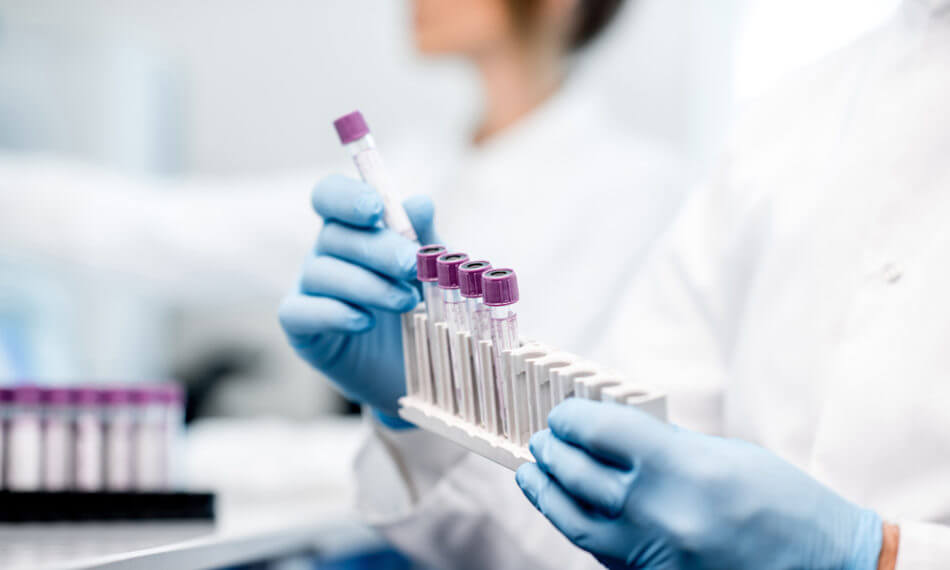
[344,317]
[638,493]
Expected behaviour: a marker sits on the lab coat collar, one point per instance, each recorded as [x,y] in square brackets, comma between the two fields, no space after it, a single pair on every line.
[575,103]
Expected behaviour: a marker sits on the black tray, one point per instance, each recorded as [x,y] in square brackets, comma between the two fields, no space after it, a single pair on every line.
[54,506]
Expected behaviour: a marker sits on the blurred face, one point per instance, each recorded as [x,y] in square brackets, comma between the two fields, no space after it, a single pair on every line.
[464,27]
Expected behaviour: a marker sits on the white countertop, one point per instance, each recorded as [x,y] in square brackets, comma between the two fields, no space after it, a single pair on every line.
[242,535]
[283,488]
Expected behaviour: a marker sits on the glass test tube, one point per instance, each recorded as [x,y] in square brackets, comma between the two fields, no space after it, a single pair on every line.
[88,439]
[148,447]
[453,308]
[427,272]
[57,438]
[500,287]
[476,323]
[118,420]
[24,440]
[173,399]
[355,136]
[6,401]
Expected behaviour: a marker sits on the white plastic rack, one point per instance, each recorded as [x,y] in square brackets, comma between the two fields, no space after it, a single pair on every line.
[502,407]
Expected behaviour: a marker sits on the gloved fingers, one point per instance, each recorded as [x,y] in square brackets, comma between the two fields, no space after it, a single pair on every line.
[348,200]
[332,277]
[621,435]
[587,531]
[303,316]
[421,214]
[376,249]
[582,476]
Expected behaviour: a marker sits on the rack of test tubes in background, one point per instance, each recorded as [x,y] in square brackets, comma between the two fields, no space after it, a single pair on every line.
[96,451]
[470,377]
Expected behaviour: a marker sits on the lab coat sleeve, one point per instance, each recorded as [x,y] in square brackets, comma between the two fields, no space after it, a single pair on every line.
[923,546]
[449,508]
[198,239]
[674,326]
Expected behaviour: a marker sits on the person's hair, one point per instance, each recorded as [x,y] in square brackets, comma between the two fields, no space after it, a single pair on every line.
[591,18]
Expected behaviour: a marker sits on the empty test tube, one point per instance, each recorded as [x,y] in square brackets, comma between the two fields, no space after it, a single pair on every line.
[355,136]
[453,309]
[500,288]
[476,322]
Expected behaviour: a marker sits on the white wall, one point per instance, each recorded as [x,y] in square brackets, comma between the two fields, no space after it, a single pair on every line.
[239,88]
[251,87]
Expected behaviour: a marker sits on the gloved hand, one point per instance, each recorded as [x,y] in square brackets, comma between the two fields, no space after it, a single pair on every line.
[638,493]
[344,317]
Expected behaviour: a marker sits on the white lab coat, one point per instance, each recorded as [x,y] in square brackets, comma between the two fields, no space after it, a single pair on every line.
[800,303]
[514,201]
[574,206]
[201,239]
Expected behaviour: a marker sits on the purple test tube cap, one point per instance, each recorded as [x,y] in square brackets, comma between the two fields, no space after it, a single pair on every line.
[57,395]
[447,268]
[6,394]
[426,268]
[27,394]
[87,395]
[116,396]
[500,287]
[171,393]
[351,127]
[143,395]
[470,278]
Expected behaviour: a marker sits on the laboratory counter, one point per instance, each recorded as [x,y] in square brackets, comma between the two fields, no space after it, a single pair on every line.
[242,535]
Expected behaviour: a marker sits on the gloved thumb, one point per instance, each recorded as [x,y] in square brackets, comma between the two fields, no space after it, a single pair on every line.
[421,213]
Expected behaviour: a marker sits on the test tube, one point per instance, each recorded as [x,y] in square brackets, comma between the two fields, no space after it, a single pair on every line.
[356,138]
[476,322]
[173,399]
[119,419]
[57,438]
[500,287]
[24,440]
[428,273]
[88,475]
[6,400]
[148,447]
[453,309]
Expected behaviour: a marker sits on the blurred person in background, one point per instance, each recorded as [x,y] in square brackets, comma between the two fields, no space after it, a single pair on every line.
[539,135]
[796,317]
[543,183]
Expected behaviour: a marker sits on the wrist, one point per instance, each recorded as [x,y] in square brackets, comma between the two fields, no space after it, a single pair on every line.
[866,548]
[890,541]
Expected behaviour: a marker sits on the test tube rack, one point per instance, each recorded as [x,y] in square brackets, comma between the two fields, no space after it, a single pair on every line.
[501,408]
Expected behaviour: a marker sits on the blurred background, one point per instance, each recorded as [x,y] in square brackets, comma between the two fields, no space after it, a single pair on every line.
[174,106]
[202,126]
[192,97]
